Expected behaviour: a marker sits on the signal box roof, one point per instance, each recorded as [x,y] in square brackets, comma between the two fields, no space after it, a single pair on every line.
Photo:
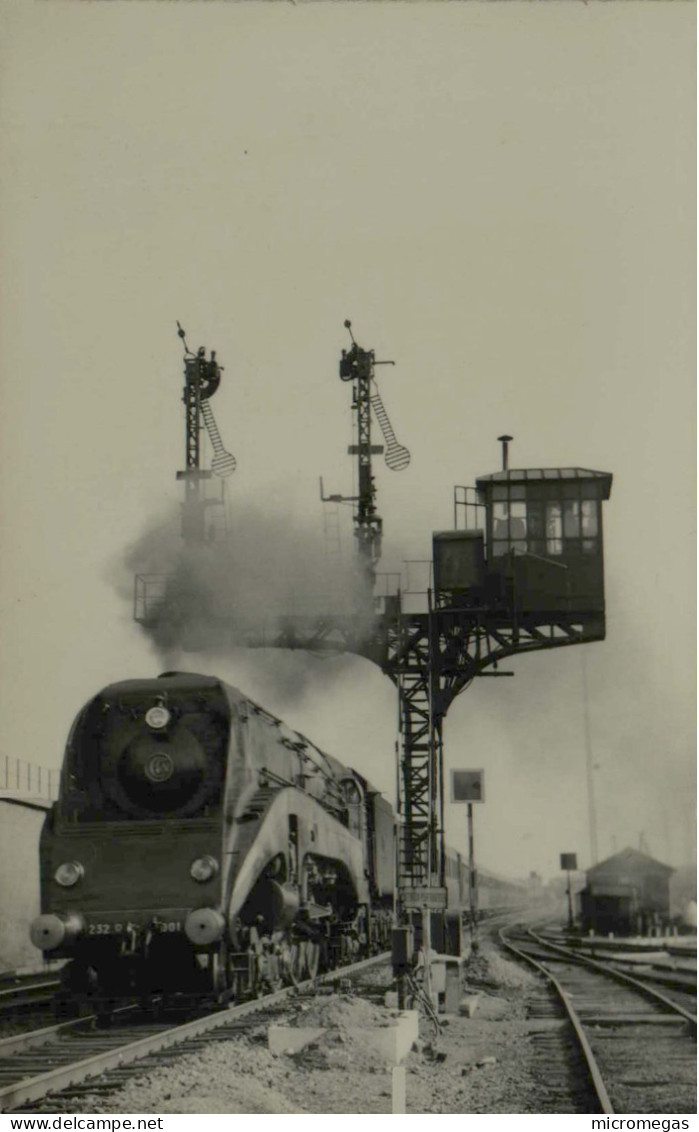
[540,475]
[629,859]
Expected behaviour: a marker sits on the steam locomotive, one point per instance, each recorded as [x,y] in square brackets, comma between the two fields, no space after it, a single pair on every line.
[200,847]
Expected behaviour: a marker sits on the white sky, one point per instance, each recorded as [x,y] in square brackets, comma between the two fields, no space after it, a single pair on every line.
[501,198]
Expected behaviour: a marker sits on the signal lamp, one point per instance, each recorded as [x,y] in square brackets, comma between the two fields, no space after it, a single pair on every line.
[203,869]
[157,717]
[69,873]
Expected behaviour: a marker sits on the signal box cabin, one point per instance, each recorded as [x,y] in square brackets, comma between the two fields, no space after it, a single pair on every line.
[628,894]
[536,552]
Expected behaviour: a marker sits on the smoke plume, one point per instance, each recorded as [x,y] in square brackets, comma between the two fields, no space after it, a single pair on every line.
[269,582]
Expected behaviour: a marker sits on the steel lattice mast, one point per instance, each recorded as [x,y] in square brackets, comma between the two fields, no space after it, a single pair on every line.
[202,379]
[358,365]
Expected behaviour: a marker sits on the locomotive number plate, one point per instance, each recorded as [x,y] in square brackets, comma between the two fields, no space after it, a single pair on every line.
[162,926]
[166,925]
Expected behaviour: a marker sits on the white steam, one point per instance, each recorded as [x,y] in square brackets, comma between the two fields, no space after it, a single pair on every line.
[270,582]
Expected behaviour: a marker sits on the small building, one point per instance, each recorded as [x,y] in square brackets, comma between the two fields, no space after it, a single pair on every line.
[628,894]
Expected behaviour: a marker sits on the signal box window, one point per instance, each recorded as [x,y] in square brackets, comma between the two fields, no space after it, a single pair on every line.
[554,529]
[509,526]
[542,525]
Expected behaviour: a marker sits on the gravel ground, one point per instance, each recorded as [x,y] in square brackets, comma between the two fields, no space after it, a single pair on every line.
[477,1064]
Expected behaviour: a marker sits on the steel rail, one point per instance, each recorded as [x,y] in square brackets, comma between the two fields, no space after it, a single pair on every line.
[9,993]
[593,1068]
[18,1043]
[33,1088]
[675,979]
[50,968]
[26,995]
[613,973]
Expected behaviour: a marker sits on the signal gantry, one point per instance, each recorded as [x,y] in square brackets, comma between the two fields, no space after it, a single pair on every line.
[357,365]
[202,379]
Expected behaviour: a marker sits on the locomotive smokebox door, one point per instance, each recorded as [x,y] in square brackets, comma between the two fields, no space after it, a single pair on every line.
[459,561]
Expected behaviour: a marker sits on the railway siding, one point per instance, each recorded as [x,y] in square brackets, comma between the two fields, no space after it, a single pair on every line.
[639,1045]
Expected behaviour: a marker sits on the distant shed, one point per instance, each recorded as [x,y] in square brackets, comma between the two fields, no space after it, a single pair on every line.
[628,894]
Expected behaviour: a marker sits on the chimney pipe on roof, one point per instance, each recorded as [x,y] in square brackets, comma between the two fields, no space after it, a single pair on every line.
[505,440]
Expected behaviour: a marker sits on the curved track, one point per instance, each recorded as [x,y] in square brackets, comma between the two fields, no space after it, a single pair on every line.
[639,1046]
[78,1052]
[676,970]
[674,987]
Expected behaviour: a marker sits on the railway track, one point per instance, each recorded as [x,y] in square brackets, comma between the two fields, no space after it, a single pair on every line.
[679,985]
[675,972]
[20,993]
[627,1047]
[681,989]
[77,1052]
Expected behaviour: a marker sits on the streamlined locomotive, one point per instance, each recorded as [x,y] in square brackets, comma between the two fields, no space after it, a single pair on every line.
[201,846]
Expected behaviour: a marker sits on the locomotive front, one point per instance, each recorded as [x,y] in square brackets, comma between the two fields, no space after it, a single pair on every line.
[131,853]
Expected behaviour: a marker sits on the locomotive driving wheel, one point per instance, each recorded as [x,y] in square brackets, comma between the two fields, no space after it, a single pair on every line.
[265,963]
[311,958]
[220,973]
[290,961]
[270,969]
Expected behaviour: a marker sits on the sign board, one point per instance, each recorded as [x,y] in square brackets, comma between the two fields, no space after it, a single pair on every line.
[433,898]
[569,862]
[467,786]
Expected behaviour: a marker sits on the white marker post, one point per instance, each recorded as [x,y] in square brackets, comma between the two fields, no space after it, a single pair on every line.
[398,1089]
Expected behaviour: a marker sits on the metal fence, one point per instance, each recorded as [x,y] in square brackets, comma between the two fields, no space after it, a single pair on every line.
[28,778]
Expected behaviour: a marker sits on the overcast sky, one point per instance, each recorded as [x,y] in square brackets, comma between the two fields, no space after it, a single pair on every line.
[501,197]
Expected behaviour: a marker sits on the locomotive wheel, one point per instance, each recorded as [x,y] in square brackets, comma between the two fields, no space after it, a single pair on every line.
[311,959]
[272,971]
[291,964]
[220,975]
[255,966]
[325,959]
[238,981]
